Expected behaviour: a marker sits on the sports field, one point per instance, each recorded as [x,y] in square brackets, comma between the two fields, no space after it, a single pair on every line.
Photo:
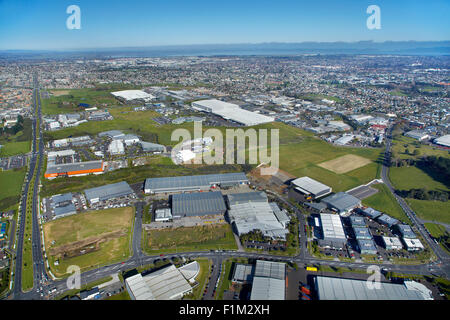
[345,163]
[200,238]
[88,239]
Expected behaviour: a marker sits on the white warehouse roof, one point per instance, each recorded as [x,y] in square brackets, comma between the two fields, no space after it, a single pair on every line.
[444,140]
[332,226]
[231,111]
[133,95]
[308,186]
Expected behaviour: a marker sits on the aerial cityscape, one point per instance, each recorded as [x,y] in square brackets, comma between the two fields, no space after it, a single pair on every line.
[311,170]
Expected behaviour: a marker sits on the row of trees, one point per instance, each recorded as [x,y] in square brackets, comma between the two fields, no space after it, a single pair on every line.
[423,194]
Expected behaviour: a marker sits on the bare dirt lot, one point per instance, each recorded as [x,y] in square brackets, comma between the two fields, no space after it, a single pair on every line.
[57,93]
[345,163]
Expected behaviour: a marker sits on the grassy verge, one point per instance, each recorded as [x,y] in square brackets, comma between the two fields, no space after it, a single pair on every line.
[202,279]
[120,296]
[431,209]
[384,201]
[11,183]
[73,292]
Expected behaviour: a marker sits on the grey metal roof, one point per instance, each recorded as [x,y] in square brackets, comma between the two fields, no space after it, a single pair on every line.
[109,191]
[357,221]
[243,272]
[111,133]
[366,246]
[198,204]
[362,233]
[236,198]
[280,214]
[181,183]
[318,206]
[330,288]
[342,201]
[270,269]
[70,208]
[148,146]
[268,289]
[371,213]
[77,166]
[387,220]
[308,186]
[332,228]
[406,231]
[62,198]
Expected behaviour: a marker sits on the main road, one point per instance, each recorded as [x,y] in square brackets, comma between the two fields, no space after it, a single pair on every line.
[42,286]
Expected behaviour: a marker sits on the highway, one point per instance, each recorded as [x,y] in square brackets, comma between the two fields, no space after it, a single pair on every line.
[138,258]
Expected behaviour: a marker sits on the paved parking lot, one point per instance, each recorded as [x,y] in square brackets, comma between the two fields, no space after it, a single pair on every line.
[13,162]
[363,192]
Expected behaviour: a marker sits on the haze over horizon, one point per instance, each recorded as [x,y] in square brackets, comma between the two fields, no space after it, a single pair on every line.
[41,25]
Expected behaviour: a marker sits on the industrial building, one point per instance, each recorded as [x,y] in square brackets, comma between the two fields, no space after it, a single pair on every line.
[251,211]
[168,283]
[62,205]
[111,134]
[130,95]
[443,141]
[310,188]
[366,246]
[412,244]
[342,202]
[370,213]
[406,231]
[269,281]
[151,147]
[198,204]
[128,139]
[164,214]
[75,169]
[109,191]
[333,235]
[243,273]
[418,135]
[330,288]
[193,183]
[116,147]
[392,243]
[357,221]
[362,233]
[387,220]
[230,111]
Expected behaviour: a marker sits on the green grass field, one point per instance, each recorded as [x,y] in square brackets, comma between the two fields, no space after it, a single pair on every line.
[406,178]
[120,296]
[15,148]
[431,210]
[11,182]
[401,142]
[384,201]
[184,239]
[70,231]
[436,230]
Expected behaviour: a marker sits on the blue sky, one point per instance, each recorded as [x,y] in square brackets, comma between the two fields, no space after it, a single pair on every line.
[41,24]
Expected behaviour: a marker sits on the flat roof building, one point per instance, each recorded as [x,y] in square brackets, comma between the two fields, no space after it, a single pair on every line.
[109,191]
[387,220]
[392,243]
[193,183]
[198,204]
[243,273]
[413,244]
[417,134]
[443,141]
[330,288]
[230,111]
[164,214]
[366,246]
[151,147]
[357,221]
[406,231]
[362,233]
[269,281]
[333,234]
[342,202]
[130,95]
[310,187]
[370,213]
[75,169]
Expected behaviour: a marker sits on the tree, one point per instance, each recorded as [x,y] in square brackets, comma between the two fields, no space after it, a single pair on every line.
[416,152]
[406,151]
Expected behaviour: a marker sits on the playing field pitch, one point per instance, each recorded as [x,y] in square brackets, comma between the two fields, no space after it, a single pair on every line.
[345,163]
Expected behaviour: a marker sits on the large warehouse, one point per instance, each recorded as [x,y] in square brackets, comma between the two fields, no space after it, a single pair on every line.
[75,169]
[443,141]
[269,281]
[198,204]
[193,183]
[230,111]
[330,288]
[130,95]
[110,191]
[342,202]
[311,188]
[250,211]
[333,235]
